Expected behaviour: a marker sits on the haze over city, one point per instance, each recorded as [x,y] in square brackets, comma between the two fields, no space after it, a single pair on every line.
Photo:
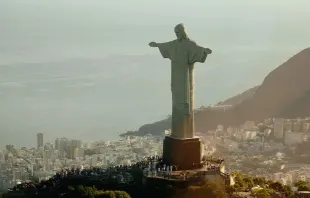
[83,69]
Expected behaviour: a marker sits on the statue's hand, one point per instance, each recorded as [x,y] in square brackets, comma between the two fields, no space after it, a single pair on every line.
[208,51]
[153,44]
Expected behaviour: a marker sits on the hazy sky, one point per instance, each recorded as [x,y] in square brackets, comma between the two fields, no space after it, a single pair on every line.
[248,39]
[39,30]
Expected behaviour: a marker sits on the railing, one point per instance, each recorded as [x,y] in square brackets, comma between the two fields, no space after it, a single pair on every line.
[182,176]
[214,160]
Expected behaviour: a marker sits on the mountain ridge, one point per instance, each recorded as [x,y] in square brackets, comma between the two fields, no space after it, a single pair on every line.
[284,92]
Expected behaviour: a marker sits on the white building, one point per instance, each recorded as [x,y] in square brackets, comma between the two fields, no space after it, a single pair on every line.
[220,128]
[230,131]
[292,138]
[93,161]
[278,127]
[249,125]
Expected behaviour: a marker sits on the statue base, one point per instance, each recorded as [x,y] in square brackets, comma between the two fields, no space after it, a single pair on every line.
[183,153]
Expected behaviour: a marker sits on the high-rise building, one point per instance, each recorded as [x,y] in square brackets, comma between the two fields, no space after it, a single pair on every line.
[48,155]
[62,154]
[288,126]
[48,146]
[79,152]
[249,125]
[278,128]
[2,158]
[76,143]
[297,127]
[305,127]
[230,131]
[71,152]
[39,140]
[57,144]
[93,161]
[73,149]
[63,144]
[10,147]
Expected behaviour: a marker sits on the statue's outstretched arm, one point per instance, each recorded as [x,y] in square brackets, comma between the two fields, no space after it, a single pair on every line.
[153,44]
[208,51]
[164,48]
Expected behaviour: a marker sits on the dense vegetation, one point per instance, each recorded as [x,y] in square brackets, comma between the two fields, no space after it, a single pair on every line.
[210,189]
[257,187]
[92,192]
[262,188]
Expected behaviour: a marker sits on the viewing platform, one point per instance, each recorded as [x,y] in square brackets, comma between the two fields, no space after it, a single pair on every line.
[210,168]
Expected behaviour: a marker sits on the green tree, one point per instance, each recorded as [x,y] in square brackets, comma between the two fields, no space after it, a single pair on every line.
[239,183]
[248,180]
[302,186]
[106,194]
[277,186]
[1,193]
[121,194]
[284,189]
[231,190]
[113,194]
[259,181]
[210,189]
[81,192]
[288,192]
[261,193]
[214,189]
[243,181]
[91,192]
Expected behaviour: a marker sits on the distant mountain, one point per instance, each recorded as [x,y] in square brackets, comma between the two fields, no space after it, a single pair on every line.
[157,128]
[285,92]
[235,100]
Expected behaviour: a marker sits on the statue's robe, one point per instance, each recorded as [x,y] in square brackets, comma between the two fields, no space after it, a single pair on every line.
[183,55]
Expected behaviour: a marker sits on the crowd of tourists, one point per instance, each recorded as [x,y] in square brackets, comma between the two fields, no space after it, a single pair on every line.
[84,172]
[155,167]
[56,179]
[149,166]
[36,186]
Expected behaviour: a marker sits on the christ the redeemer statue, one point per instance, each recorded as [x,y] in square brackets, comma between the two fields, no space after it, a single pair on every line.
[183,53]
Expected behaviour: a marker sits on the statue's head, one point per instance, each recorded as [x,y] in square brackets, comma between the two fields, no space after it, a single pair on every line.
[180,31]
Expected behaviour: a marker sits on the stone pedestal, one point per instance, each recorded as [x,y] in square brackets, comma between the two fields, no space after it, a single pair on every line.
[184,153]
